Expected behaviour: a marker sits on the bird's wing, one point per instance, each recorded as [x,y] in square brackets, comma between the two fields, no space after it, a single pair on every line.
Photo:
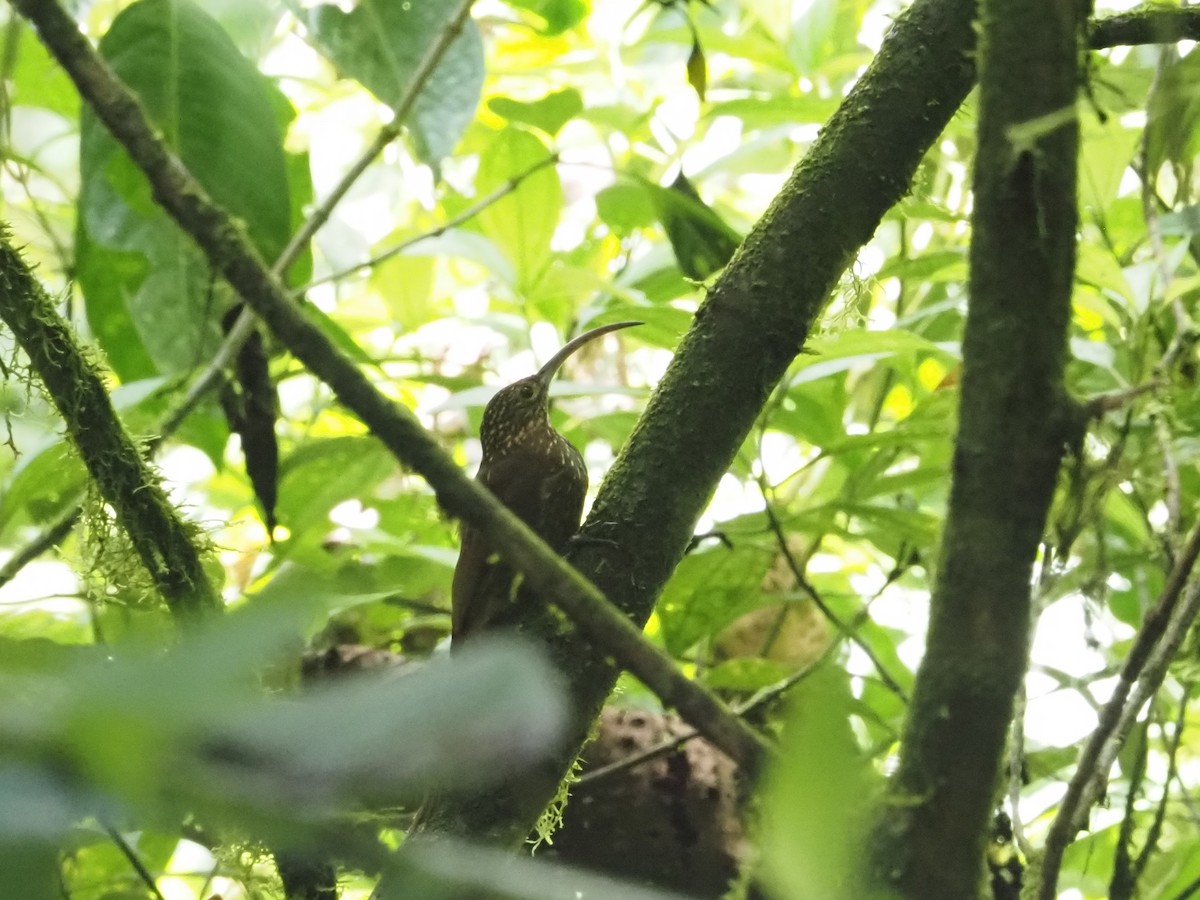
[549,502]
[561,506]
[468,575]
[478,575]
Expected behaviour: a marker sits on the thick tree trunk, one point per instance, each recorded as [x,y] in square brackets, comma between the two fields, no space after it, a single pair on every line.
[1015,421]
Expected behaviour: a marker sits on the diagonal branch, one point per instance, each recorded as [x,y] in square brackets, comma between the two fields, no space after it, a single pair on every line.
[1160,637]
[204,383]
[1149,24]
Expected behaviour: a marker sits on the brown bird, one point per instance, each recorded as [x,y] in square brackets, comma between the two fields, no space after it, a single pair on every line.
[535,472]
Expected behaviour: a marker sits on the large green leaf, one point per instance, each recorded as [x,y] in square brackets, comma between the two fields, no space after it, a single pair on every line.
[524,221]
[816,793]
[703,242]
[1173,115]
[191,729]
[380,43]
[148,289]
[709,590]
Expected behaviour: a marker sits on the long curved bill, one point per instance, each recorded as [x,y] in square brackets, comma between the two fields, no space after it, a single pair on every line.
[546,372]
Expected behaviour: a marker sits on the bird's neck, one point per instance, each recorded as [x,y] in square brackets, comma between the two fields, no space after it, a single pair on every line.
[530,433]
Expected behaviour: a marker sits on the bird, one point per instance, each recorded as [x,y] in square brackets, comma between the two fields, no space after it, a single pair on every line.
[536,473]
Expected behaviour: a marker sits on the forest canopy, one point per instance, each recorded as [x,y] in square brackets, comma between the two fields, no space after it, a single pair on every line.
[885,585]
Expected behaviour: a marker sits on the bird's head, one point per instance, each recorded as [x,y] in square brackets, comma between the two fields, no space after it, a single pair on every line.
[524,406]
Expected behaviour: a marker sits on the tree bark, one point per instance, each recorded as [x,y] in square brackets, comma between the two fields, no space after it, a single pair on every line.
[1014,423]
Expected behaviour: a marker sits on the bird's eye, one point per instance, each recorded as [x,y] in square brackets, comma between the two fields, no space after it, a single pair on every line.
[528,391]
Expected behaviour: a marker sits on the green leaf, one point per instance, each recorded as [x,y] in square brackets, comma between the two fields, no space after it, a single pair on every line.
[380,43]
[148,289]
[942,265]
[702,241]
[319,475]
[405,282]
[337,335]
[746,674]
[709,590]
[37,79]
[522,223]
[626,207]
[555,16]
[548,114]
[43,484]
[409,573]
[1174,114]
[815,794]
[697,70]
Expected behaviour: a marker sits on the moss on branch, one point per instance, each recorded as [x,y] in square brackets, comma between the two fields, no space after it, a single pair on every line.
[164,542]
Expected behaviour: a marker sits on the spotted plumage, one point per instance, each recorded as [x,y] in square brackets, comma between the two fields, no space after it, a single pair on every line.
[535,472]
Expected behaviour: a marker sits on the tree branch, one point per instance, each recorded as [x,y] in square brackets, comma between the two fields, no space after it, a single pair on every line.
[231,254]
[1158,640]
[135,861]
[1150,24]
[1014,422]
[162,540]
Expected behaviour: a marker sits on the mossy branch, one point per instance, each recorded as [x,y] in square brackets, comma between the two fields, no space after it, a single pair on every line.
[1015,422]
[1152,24]
[163,541]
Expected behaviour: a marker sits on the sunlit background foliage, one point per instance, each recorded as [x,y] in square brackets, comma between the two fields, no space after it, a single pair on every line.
[575,163]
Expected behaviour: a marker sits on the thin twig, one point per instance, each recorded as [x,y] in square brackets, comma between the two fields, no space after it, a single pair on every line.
[453,222]
[134,860]
[1156,643]
[1154,832]
[760,699]
[386,135]
[53,535]
[1097,406]
[843,628]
